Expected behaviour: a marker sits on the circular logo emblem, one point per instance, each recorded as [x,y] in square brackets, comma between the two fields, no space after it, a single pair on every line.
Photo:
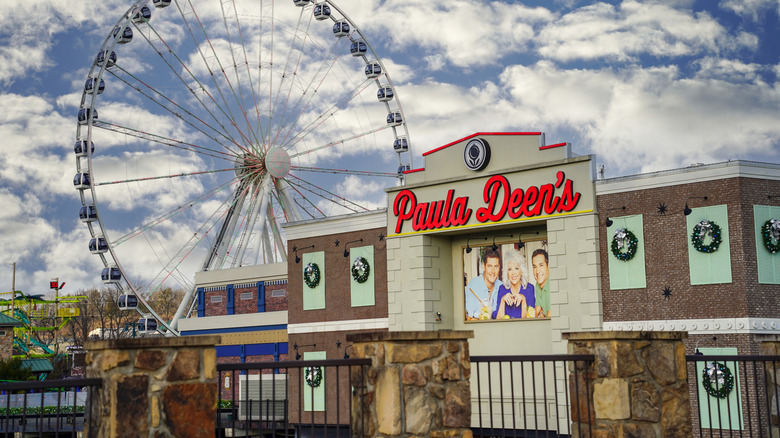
[477,154]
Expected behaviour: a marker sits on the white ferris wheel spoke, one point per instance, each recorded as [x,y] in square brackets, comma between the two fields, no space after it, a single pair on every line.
[168,50]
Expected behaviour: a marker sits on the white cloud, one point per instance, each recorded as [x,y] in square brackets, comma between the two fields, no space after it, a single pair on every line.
[465,32]
[751,9]
[623,32]
[29,30]
[728,70]
[650,119]
[435,62]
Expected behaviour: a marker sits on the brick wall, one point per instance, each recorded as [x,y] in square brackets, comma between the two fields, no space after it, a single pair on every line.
[245,296]
[338,304]
[275,296]
[666,252]
[215,308]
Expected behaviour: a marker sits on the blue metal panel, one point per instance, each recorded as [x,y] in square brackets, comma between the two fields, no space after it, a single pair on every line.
[260,296]
[228,350]
[201,303]
[231,300]
[260,349]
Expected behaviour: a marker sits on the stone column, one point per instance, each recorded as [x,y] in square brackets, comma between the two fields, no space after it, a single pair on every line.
[770,346]
[637,386]
[153,387]
[417,385]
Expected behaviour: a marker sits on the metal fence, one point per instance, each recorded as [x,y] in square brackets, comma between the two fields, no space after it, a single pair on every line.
[291,398]
[528,396]
[51,408]
[734,396]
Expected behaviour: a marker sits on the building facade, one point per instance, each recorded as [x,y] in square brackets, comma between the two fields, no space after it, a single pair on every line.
[520,242]
[730,292]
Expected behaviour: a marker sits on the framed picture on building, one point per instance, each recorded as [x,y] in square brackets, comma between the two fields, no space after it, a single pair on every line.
[506,282]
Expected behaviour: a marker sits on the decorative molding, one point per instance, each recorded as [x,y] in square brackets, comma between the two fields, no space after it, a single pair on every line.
[338,326]
[234,321]
[347,223]
[687,175]
[700,326]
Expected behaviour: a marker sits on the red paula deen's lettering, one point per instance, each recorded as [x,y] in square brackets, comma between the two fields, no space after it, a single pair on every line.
[451,212]
[500,201]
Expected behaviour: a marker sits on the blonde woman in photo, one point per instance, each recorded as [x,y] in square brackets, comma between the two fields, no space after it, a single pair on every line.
[516,295]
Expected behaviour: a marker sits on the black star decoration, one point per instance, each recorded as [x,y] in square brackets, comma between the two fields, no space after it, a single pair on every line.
[381,237]
[338,344]
[667,293]
[662,208]
[337,243]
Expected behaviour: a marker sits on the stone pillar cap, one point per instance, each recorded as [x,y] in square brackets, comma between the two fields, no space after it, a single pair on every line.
[410,336]
[153,342]
[617,335]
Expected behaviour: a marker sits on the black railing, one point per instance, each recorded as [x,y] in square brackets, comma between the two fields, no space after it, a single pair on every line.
[46,407]
[734,395]
[525,396]
[292,398]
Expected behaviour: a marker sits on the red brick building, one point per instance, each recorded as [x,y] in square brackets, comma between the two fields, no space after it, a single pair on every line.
[247,307]
[730,293]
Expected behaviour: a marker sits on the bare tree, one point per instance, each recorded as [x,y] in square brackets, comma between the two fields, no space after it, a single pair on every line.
[166,301]
[100,317]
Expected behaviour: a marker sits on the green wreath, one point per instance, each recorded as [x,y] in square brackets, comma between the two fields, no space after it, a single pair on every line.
[717,379]
[313,376]
[360,269]
[700,231]
[770,231]
[311,275]
[624,238]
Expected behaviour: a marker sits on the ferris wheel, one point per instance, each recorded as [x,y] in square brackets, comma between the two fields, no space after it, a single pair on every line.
[204,125]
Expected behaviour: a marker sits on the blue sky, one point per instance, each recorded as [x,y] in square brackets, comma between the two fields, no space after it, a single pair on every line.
[642,85]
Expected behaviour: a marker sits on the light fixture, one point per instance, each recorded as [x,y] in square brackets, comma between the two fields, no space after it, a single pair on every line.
[468,248]
[495,247]
[296,347]
[699,353]
[346,356]
[609,222]
[346,251]
[520,243]
[687,210]
[295,251]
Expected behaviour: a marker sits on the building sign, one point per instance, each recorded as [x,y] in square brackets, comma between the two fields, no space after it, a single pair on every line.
[500,200]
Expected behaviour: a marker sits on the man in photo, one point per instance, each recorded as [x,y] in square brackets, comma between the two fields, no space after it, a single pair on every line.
[539,262]
[482,290]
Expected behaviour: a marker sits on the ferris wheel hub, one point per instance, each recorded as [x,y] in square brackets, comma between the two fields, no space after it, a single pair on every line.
[277,162]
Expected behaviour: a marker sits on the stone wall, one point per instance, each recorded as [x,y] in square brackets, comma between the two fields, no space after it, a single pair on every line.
[6,342]
[417,385]
[153,387]
[637,385]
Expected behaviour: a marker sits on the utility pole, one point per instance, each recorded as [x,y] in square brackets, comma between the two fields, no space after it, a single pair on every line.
[13,290]
[55,284]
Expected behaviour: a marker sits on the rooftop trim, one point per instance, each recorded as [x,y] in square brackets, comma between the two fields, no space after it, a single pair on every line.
[476,134]
[690,174]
